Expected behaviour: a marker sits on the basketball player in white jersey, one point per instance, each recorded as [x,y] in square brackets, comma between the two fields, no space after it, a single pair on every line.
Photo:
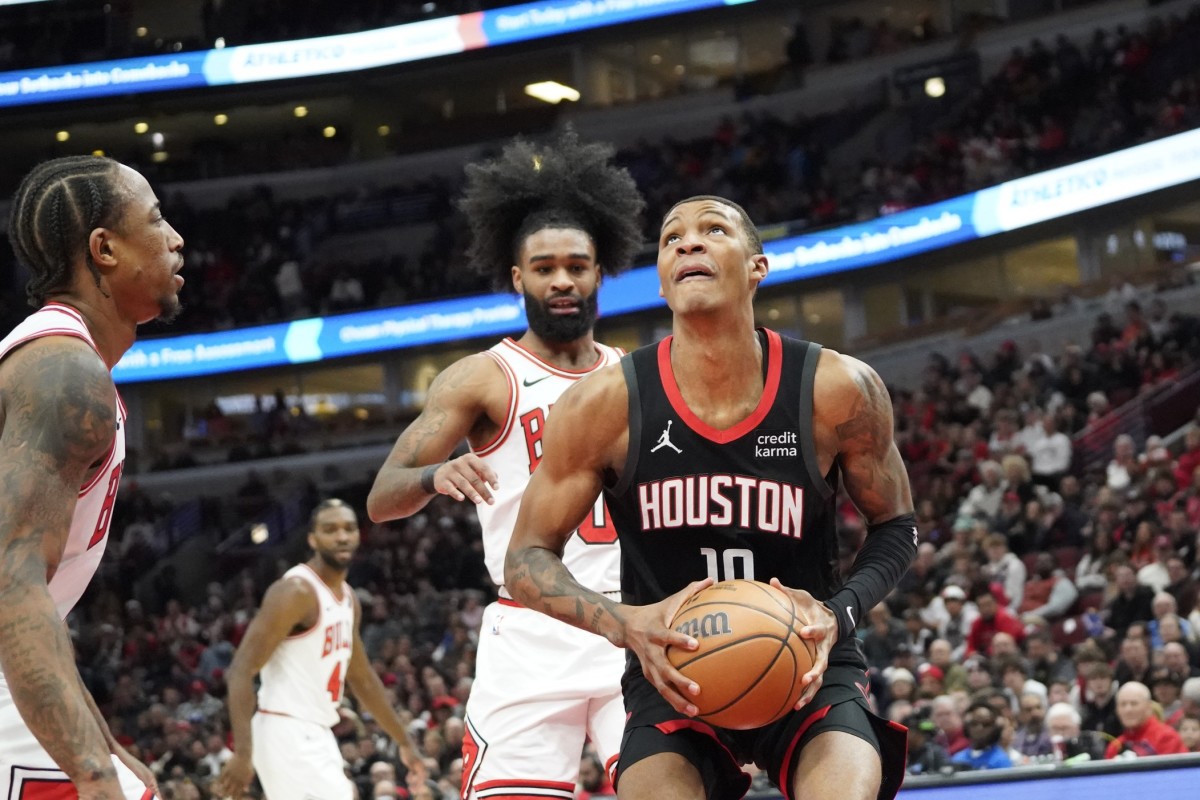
[102,260]
[304,645]
[549,221]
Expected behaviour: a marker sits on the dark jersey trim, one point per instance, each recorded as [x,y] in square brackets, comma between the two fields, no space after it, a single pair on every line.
[808,439]
[635,426]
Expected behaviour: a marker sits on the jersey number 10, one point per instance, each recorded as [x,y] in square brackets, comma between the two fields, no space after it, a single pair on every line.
[732,561]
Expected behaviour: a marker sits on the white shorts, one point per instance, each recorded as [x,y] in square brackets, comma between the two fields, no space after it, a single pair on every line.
[541,686]
[297,760]
[27,772]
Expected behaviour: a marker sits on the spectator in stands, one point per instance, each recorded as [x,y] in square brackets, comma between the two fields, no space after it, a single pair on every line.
[1098,706]
[950,616]
[993,618]
[1189,733]
[1176,657]
[1141,733]
[1005,568]
[983,501]
[1166,611]
[1049,594]
[1050,454]
[925,755]
[1134,663]
[941,655]
[593,780]
[983,730]
[1047,663]
[1093,564]
[1189,460]
[1063,722]
[1166,687]
[1032,738]
[883,637]
[946,717]
[1132,602]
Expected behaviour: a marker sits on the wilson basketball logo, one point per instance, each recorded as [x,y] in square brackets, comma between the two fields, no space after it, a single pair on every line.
[706,627]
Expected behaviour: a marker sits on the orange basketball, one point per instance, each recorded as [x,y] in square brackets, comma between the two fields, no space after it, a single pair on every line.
[751,657]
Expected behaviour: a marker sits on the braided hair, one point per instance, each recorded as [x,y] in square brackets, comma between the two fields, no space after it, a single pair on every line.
[565,185]
[54,211]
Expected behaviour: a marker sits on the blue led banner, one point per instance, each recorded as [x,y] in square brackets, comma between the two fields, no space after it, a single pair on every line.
[331,55]
[1016,204]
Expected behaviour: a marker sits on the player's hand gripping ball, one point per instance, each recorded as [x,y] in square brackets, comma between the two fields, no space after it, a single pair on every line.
[751,656]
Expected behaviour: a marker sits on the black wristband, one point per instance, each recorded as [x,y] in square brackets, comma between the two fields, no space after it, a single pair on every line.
[885,556]
[427,479]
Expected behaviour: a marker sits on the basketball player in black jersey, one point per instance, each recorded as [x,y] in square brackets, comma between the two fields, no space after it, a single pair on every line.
[720,450]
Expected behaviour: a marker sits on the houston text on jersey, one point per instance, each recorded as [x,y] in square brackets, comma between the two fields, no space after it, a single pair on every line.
[722,500]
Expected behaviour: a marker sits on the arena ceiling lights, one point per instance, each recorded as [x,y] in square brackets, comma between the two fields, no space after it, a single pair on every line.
[552,92]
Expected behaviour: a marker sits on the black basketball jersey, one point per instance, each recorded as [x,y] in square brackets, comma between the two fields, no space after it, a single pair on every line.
[745,502]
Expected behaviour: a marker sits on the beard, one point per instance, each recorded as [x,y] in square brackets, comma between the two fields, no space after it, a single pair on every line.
[332,560]
[169,309]
[560,328]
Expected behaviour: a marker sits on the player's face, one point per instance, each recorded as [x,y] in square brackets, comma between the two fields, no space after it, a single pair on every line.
[149,252]
[559,277]
[704,260]
[334,537]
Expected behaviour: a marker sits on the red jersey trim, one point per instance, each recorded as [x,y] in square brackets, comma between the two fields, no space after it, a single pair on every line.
[345,586]
[320,610]
[511,378]
[519,349]
[784,784]
[525,789]
[505,601]
[770,390]
[676,725]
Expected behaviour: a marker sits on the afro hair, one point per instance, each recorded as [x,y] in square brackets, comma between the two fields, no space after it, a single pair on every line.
[563,185]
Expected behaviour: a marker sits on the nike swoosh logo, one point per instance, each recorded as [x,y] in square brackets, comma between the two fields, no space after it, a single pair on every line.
[528,382]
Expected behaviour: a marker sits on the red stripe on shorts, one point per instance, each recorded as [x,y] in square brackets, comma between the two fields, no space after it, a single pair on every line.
[37,789]
[784,785]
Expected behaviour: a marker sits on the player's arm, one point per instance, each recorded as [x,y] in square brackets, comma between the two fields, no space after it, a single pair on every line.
[288,604]
[369,691]
[143,772]
[59,417]
[585,438]
[852,417]
[417,469]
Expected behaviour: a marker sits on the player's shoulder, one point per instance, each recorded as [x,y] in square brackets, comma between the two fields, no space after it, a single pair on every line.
[60,381]
[600,390]
[470,377]
[842,375]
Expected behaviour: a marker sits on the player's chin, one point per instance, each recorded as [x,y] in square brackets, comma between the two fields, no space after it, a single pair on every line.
[169,308]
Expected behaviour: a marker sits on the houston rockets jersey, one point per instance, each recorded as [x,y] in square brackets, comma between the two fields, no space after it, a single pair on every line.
[93,508]
[591,553]
[306,675]
[745,502]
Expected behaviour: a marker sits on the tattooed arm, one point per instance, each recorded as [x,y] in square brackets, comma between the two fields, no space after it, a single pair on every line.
[59,418]
[456,407]
[852,422]
[585,438]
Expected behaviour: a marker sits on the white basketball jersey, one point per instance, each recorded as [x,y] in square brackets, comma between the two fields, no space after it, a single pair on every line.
[306,675]
[591,554]
[93,508]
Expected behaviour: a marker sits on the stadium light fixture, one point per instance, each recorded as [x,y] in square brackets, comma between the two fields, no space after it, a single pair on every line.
[552,92]
[935,87]
[329,132]
[300,111]
[62,136]
[221,119]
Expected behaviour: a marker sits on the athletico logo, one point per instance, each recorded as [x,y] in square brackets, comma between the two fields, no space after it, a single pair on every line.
[709,625]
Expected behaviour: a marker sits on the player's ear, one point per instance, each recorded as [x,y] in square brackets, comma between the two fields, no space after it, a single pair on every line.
[759,268]
[516,280]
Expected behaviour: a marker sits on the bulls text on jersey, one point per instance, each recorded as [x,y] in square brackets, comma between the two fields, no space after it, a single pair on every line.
[722,500]
[337,637]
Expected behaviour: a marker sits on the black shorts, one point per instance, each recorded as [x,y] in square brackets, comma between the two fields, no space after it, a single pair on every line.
[841,704]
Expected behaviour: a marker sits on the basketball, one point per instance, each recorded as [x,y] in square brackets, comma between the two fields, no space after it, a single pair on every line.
[751,657]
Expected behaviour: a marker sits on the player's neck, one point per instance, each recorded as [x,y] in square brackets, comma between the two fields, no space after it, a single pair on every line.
[575,355]
[335,579]
[713,353]
[112,335]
